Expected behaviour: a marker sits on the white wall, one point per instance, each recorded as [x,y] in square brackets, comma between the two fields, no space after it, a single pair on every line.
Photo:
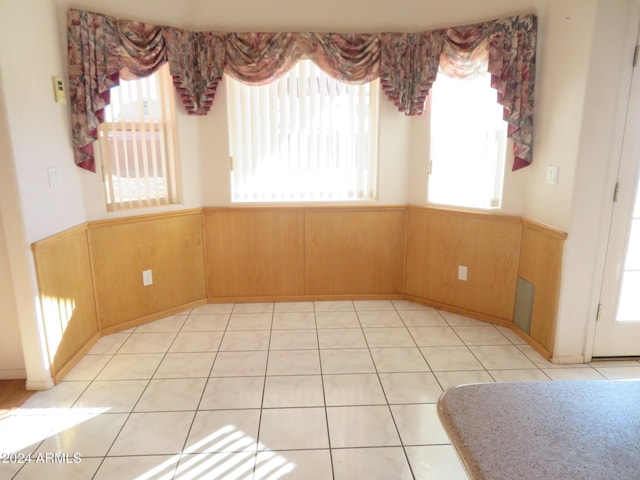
[563,56]
[11,358]
[350,15]
[22,340]
[34,134]
[39,128]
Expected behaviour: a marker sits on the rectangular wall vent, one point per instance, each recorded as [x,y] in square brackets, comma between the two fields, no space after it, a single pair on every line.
[525,292]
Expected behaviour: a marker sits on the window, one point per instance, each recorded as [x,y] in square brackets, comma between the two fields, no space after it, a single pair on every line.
[468,142]
[137,144]
[304,137]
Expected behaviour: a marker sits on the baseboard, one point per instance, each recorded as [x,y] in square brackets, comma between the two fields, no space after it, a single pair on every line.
[489,319]
[13,374]
[307,298]
[460,311]
[567,359]
[532,343]
[150,318]
[39,384]
[59,373]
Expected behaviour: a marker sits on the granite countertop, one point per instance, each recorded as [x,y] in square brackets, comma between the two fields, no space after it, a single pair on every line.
[545,430]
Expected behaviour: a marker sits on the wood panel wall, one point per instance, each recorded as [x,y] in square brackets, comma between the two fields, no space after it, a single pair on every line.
[254,252]
[170,245]
[90,277]
[65,283]
[355,252]
[440,240]
[540,264]
[291,253]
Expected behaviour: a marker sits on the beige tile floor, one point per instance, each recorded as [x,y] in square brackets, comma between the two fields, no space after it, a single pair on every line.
[317,390]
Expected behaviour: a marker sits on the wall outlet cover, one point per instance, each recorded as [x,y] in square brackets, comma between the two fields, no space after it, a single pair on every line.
[147,278]
[462,272]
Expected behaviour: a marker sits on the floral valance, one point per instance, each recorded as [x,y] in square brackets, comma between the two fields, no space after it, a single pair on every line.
[103,49]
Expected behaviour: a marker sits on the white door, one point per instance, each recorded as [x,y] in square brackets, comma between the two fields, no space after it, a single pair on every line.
[618,326]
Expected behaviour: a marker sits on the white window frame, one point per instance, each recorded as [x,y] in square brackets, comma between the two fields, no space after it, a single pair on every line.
[468,143]
[281,153]
[147,173]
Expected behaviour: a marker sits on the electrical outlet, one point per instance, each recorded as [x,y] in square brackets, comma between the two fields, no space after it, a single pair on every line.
[147,278]
[462,272]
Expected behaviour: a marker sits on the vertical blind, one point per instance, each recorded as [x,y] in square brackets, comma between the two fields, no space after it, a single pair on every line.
[468,141]
[304,137]
[137,143]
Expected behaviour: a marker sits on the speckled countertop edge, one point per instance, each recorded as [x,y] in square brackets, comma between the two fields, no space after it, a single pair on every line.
[539,430]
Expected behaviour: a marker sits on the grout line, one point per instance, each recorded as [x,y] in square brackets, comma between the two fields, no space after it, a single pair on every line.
[206,384]
[264,389]
[384,392]
[324,394]
[138,401]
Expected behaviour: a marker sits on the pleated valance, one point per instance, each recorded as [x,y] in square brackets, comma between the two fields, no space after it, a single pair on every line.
[103,49]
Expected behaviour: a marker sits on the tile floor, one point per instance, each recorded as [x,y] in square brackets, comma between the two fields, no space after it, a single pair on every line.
[317,390]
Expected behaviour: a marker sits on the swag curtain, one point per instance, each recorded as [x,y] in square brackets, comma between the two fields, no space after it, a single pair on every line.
[103,49]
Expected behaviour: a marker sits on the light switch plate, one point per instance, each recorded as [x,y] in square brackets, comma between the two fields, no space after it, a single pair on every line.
[552,175]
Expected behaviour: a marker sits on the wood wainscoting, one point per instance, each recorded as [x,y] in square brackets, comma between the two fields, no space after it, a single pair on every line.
[170,245]
[488,245]
[90,282]
[496,249]
[90,277]
[540,264]
[255,254]
[65,282]
[355,251]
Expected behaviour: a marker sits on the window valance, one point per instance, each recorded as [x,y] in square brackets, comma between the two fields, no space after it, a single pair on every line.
[103,49]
